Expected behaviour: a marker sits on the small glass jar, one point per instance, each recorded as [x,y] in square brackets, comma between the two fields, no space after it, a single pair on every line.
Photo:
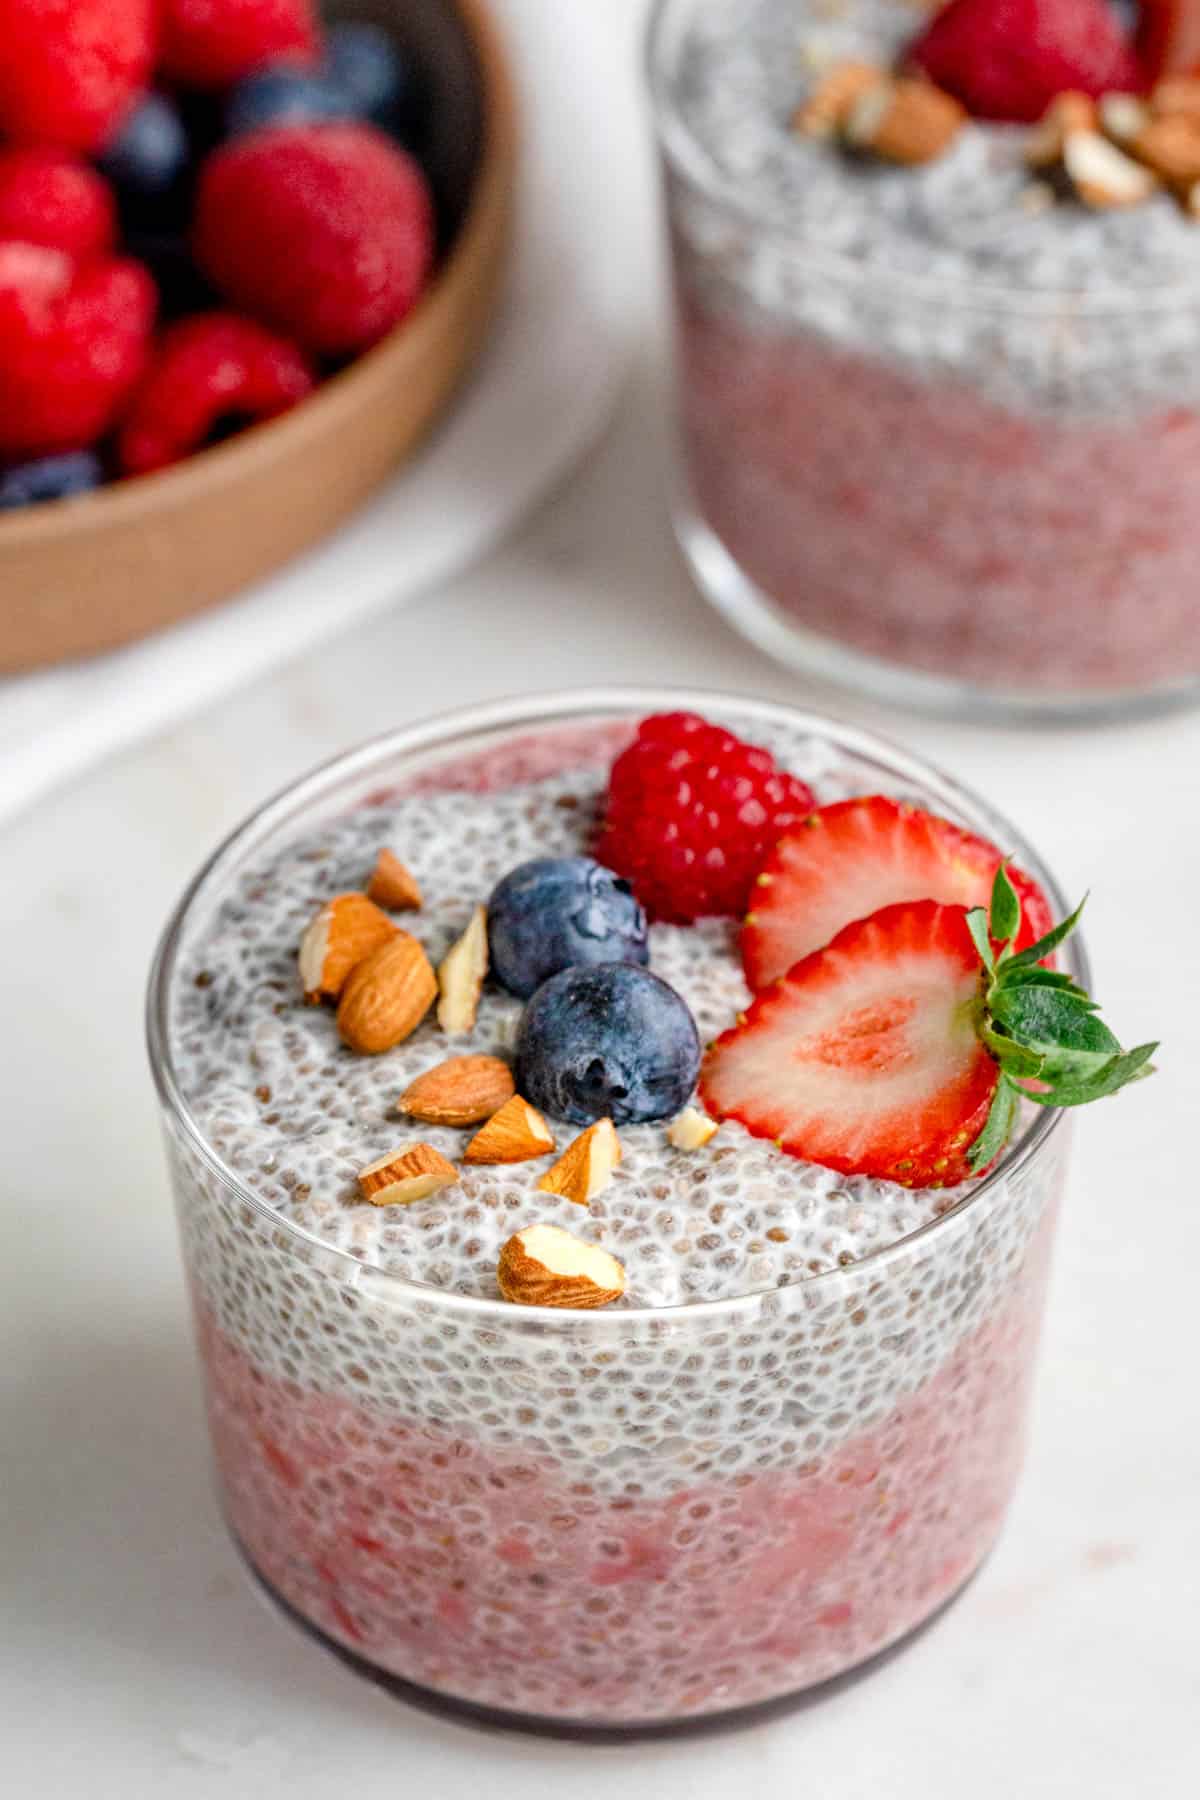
[932,480]
[620,1521]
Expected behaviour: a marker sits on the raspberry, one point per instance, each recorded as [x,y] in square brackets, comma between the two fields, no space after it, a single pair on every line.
[1008,59]
[213,43]
[70,69]
[49,198]
[324,231]
[207,370]
[692,814]
[72,344]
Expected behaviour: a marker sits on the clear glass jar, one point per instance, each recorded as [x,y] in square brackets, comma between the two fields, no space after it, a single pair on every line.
[928,480]
[618,1521]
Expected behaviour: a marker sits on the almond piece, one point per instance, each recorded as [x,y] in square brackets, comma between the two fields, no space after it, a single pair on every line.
[392,885]
[691,1130]
[1103,176]
[1171,147]
[517,1133]
[547,1266]
[461,1091]
[586,1166]
[403,1176]
[344,931]
[1178,96]
[1066,112]
[825,112]
[905,121]
[1122,116]
[460,976]
[387,995]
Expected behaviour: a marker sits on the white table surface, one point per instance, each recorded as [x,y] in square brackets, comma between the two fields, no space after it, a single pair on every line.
[134,1659]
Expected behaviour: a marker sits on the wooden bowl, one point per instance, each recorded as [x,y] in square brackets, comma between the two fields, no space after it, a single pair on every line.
[86,574]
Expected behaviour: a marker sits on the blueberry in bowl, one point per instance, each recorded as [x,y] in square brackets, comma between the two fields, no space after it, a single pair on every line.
[554,913]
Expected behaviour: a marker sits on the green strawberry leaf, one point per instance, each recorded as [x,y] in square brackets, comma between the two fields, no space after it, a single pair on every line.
[977,925]
[1038,952]
[1005,911]
[1050,1019]
[998,1128]
[1013,1058]
[1116,1073]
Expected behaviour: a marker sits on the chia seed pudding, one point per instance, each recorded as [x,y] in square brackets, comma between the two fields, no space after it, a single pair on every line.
[941,436]
[792,1439]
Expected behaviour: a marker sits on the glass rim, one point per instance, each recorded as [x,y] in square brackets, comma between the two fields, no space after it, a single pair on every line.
[688,157]
[529,711]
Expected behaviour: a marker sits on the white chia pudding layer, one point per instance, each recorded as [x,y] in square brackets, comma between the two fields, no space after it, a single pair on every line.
[296,1115]
[955,267]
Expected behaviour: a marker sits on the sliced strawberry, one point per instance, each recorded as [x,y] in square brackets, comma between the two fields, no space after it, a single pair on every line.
[1169,37]
[1008,59]
[849,859]
[865,1056]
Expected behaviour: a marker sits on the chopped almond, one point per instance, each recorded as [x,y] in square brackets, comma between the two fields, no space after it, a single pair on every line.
[343,933]
[691,1130]
[516,1133]
[1065,113]
[392,885]
[825,112]
[586,1166]
[1103,176]
[403,1176]
[543,1265]
[460,976]
[387,995]
[460,1091]
[905,121]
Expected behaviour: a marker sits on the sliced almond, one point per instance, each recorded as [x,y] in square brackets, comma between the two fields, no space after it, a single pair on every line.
[1122,116]
[1171,147]
[344,931]
[393,885]
[1178,96]
[517,1133]
[387,995]
[825,112]
[691,1130]
[586,1166]
[1065,113]
[547,1266]
[460,976]
[461,1091]
[905,121]
[403,1176]
[1103,176]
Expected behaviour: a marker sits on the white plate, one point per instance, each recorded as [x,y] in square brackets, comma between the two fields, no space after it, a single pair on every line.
[543,390]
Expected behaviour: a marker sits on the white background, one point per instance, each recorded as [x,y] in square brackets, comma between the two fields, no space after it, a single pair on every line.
[134,1659]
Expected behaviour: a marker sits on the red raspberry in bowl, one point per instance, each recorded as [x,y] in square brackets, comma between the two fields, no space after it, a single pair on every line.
[1008,59]
[323,231]
[71,69]
[50,198]
[209,369]
[213,43]
[691,815]
[73,342]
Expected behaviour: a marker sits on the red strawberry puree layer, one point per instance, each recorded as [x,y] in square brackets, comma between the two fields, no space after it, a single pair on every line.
[472,1570]
[918,521]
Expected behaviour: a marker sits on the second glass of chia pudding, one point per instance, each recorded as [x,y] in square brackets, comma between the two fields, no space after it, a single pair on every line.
[938,343]
[557,1369]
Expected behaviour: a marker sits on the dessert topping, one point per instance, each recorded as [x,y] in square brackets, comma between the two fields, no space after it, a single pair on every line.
[586,1166]
[517,1132]
[392,885]
[828,107]
[543,1265]
[460,977]
[691,1130]
[387,995]
[403,1176]
[345,930]
[904,121]
[1102,175]
[461,1091]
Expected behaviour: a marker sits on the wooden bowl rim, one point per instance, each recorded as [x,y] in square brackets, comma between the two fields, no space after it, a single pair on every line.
[142,497]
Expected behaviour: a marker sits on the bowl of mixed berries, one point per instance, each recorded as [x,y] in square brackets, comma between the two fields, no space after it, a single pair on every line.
[247,250]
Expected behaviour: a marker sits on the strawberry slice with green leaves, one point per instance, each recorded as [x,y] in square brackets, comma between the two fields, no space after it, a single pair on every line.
[848,860]
[905,1048]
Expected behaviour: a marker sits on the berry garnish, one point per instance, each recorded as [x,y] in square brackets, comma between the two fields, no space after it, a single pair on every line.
[280,95]
[904,1048]
[1008,59]
[852,858]
[50,197]
[73,342]
[50,478]
[213,43]
[324,231]
[147,161]
[613,1041]
[561,912]
[71,69]
[379,79]
[691,813]
[209,372]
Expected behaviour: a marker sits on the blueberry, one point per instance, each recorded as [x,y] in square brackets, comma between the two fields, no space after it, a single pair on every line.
[610,1041]
[282,95]
[149,159]
[380,79]
[50,478]
[556,912]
